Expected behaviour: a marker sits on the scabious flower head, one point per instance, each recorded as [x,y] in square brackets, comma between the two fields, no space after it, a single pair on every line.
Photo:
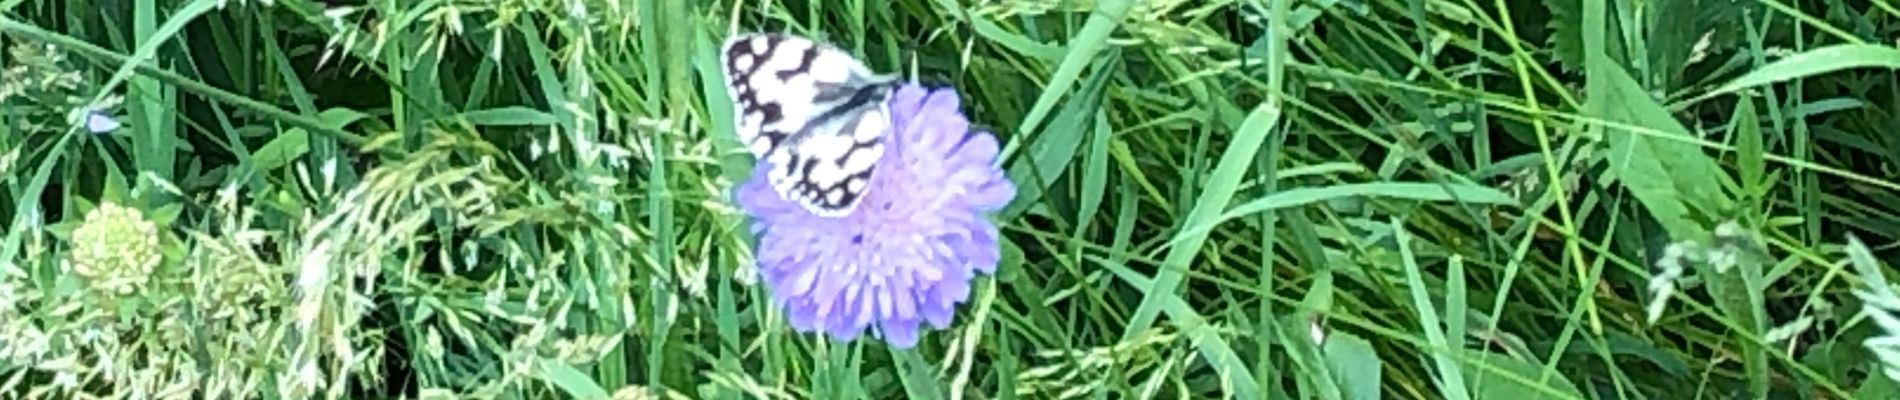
[115,248]
[906,254]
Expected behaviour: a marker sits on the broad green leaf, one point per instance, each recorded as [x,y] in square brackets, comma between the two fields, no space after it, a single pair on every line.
[1660,168]
[282,150]
[920,381]
[1737,295]
[1678,31]
[1354,365]
[1876,386]
[1864,263]
[1313,374]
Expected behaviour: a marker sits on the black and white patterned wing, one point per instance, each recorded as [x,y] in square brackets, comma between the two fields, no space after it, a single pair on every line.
[811,113]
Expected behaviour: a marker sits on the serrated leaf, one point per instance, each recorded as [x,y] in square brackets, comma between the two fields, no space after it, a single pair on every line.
[1676,26]
[1737,295]
[1667,174]
[1566,32]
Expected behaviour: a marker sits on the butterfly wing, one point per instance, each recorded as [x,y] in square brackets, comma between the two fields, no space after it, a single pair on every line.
[811,113]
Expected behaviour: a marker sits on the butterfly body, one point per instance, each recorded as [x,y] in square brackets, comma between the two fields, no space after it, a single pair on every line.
[812,114]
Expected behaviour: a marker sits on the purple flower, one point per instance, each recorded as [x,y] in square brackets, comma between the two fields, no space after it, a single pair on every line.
[906,255]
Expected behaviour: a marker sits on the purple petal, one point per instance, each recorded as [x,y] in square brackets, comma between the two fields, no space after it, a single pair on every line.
[905,256]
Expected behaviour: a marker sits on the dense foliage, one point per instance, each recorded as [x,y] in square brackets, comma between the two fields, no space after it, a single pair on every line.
[1335,199]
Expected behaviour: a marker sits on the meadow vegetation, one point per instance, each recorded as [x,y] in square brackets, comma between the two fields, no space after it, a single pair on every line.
[1328,199]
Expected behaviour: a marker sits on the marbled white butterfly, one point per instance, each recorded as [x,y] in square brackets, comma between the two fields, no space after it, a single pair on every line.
[813,114]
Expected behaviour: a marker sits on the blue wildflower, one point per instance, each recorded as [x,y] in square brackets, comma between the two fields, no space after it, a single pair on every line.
[906,255]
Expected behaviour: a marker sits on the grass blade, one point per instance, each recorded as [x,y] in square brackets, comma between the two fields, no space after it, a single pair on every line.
[1815,62]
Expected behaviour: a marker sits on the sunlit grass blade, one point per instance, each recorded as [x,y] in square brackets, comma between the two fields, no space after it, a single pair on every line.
[1082,49]
[1444,354]
[1814,62]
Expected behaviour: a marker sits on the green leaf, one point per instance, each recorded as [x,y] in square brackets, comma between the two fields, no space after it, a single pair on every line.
[82,205]
[1053,150]
[570,380]
[165,215]
[337,118]
[1864,264]
[1658,165]
[1443,352]
[282,150]
[64,229]
[114,188]
[1090,39]
[1416,191]
[1737,294]
[149,49]
[1009,267]
[735,161]
[1214,349]
[1815,62]
[1355,366]
[1749,153]
[1623,344]
[1496,376]
[511,116]
[1675,29]
[1234,163]
[919,381]
[1002,37]
[1876,386]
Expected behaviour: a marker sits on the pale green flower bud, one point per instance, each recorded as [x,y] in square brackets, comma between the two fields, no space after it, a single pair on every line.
[115,248]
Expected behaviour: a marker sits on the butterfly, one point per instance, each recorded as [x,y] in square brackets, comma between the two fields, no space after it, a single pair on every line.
[812,113]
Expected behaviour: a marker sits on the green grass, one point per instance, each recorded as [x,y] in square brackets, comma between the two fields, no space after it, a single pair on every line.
[1515,199]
